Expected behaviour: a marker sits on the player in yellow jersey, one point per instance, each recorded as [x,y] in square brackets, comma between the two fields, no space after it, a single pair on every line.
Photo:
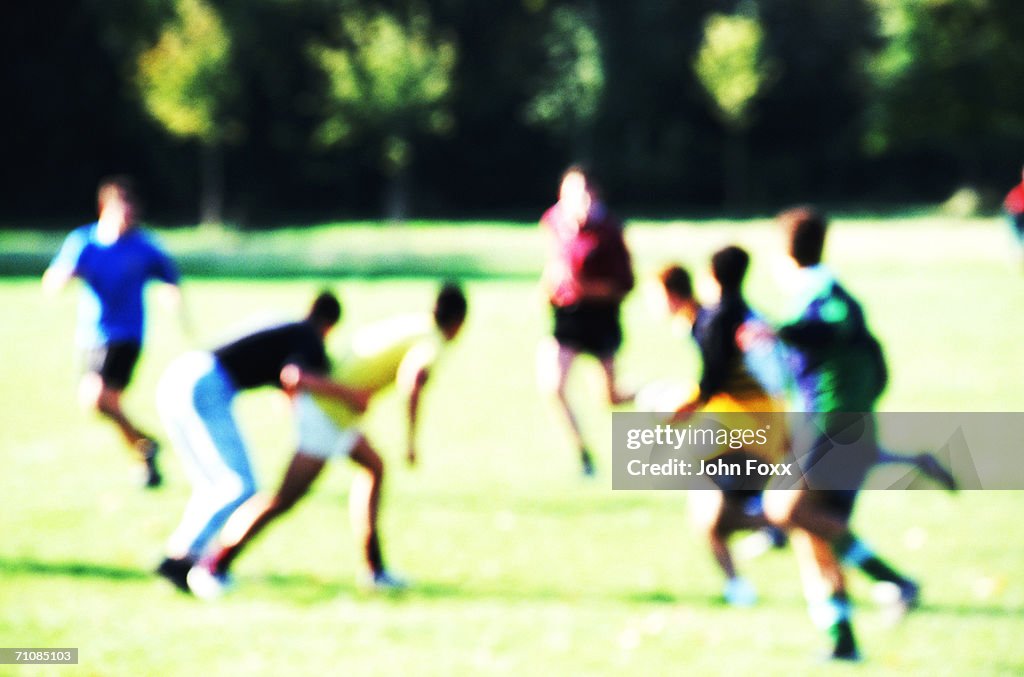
[398,351]
[727,386]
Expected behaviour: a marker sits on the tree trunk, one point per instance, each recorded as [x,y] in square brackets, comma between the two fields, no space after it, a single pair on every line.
[735,179]
[397,200]
[211,200]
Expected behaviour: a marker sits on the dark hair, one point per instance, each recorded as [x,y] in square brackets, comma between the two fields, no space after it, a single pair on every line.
[676,281]
[729,266]
[325,311]
[805,227]
[450,307]
[123,184]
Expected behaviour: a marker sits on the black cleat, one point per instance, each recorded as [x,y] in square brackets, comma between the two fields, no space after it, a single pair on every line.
[175,570]
[845,646]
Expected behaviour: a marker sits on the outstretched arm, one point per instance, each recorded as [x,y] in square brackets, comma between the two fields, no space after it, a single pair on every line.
[294,377]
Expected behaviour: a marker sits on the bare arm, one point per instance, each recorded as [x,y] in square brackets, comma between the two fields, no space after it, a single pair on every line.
[412,377]
[56,278]
[295,378]
[419,381]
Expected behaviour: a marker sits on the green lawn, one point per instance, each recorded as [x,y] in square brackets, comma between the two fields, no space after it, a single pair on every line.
[520,566]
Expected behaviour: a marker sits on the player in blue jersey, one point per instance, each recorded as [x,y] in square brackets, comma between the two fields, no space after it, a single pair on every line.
[115,260]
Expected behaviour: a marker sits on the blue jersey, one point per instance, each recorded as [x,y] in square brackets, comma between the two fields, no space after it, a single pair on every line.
[115,276]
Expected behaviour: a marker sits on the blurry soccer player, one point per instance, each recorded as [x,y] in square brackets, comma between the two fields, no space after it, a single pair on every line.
[839,372]
[726,386]
[400,351]
[114,259]
[1013,207]
[196,399]
[587,276]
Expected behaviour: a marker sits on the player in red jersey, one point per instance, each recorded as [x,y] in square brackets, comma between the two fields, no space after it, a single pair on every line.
[587,276]
[1013,206]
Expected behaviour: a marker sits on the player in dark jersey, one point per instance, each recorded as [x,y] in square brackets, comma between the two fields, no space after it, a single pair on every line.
[195,399]
[839,371]
[727,387]
[588,274]
[401,351]
[115,260]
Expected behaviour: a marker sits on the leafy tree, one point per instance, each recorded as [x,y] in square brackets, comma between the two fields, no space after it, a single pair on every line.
[390,79]
[731,67]
[185,83]
[569,93]
[948,82]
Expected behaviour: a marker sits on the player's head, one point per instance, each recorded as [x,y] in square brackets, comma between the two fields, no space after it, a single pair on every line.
[325,312]
[117,198]
[575,192]
[729,267]
[450,310]
[678,287]
[805,229]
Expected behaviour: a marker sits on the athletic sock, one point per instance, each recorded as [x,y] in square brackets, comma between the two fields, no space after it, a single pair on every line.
[833,616]
[851,550]
[587,461]
[374,555]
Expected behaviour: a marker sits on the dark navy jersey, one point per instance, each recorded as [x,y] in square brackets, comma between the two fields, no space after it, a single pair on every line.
[715,333]
[257,359]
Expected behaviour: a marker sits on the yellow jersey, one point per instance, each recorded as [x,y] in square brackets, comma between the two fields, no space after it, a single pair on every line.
[375,357]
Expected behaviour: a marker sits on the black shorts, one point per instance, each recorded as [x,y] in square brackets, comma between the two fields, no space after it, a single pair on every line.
[588,327]
[114,362]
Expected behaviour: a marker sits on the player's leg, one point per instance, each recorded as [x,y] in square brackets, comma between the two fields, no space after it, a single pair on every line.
[825,515]
[209,578]
[825,592]
[364,509]
[109,372]
[719,515]
[554,362]
[195,402]
[615,394]
[925,463]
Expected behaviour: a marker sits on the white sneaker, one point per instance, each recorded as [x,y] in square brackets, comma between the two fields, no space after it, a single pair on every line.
[739,593]
[207,585]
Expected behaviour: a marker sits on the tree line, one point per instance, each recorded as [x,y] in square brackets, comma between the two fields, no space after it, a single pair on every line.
[287,111]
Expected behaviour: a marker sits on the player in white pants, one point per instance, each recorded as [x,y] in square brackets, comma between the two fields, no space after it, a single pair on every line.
[398,351]
[195,399]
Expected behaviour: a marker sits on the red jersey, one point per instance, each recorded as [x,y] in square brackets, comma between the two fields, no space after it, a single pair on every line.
[595,251]
[1014,202]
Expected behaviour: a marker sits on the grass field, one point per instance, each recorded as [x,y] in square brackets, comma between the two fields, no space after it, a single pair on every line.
[520,566]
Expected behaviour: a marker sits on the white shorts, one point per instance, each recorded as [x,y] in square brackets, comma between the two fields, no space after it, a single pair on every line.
[319,435]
